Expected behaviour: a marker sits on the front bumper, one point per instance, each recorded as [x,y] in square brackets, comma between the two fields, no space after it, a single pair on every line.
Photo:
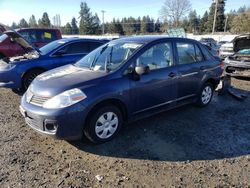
[66,124]
[10,79]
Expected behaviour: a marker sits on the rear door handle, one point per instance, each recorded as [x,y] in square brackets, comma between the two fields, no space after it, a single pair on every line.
[172,74]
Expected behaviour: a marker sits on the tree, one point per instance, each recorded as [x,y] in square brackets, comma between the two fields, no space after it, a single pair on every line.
[75,29]
[44,21]
[157,26]
[32,21]
[89,24]
[193,22]
[23,23]
[115,27]
[220,18]
[14,25]
[241,23]
[68,29]
[175,10]
[204,20]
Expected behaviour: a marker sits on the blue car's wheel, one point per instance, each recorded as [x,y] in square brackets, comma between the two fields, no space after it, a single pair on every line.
[29,77]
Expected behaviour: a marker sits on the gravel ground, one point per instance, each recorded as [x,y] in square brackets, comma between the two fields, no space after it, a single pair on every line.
[186,147]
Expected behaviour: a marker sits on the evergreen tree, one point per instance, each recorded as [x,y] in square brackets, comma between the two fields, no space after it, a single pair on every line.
[14,25]
[75,29]
[193,22]
[220,18]
[68,29]
[32,21]
[23,23]
[115,27]
[203,23]
[241,22]
[89,24]
[157,26]
[44,21]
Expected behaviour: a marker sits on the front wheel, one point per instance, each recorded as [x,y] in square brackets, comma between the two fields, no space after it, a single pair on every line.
[29,77]
[205,95]
[104,124]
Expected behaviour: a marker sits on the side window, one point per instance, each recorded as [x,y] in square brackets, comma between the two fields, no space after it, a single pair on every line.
[93,45]
[186,53]
[75,48]
[199,55]
[207,54]
[30,36]
[157,57]
[46,36]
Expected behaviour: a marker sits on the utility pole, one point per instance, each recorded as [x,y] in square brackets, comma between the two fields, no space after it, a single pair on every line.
[215,15]
[225,29]
[103,25]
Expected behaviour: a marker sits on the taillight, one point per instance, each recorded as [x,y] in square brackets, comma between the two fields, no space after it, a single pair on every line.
[222,64]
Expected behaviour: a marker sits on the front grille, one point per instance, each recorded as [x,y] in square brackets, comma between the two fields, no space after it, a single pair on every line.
[38,100]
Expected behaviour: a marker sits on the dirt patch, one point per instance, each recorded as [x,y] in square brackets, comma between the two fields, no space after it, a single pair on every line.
[189,146]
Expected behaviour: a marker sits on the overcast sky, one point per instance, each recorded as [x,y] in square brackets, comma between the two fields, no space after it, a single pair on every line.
[14,10]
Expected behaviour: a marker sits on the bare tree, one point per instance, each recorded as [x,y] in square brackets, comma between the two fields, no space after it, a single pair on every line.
[174,10]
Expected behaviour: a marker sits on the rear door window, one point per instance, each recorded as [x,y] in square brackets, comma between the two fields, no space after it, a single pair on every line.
[188,53]
[76,48]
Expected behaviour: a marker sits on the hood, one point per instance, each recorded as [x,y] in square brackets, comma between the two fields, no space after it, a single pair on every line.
[241,42]
[13,35]
[64,78]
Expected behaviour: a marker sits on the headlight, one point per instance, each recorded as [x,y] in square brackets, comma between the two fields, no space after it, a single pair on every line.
[29,95]
[65,99]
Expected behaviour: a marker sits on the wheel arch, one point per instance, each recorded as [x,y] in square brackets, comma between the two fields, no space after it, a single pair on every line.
[111,101]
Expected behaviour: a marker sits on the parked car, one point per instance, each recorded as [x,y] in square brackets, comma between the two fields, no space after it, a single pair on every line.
[37,37]
[226,50]
[208,40]
[121,81]
[238,64]
[18,72]
[214,51]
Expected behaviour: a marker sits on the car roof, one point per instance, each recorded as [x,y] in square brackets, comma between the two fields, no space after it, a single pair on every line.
[148,39]
[76,39]
[37,28]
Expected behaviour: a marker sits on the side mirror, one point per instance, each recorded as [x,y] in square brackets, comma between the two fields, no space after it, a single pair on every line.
[142,69]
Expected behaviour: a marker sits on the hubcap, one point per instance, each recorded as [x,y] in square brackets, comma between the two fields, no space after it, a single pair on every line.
[106,125]
[206,95]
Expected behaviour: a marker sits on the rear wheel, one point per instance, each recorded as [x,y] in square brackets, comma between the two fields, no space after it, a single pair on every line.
[29,77]
[104,124]
[205,95]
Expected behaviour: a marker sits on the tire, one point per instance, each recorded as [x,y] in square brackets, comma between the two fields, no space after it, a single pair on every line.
[29,77]
[205,95]
[98,128]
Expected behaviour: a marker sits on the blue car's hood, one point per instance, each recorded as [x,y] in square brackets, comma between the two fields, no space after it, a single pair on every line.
[63,78]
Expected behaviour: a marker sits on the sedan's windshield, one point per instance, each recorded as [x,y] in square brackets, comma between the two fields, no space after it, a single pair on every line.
[108,57]
[51,46]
